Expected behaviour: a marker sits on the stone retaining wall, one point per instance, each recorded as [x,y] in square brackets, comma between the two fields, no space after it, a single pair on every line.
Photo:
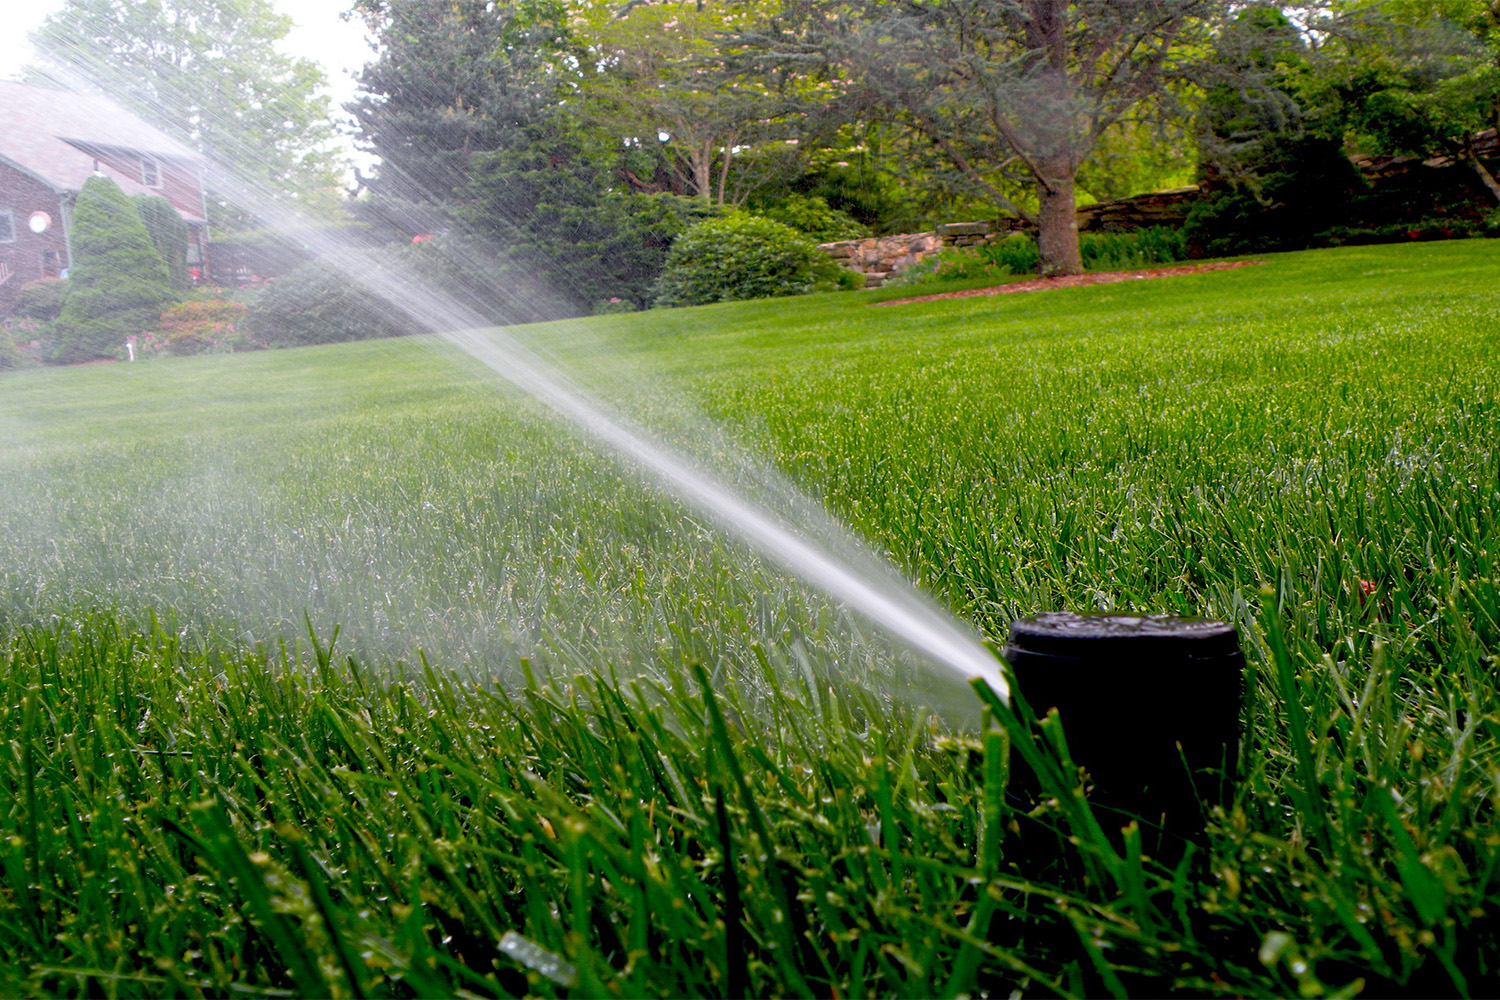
[879,257]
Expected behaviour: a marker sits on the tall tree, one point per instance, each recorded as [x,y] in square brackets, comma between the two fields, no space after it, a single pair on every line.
[453,79]
[210,73]
[1276,174]
[662,84]
[1010,94]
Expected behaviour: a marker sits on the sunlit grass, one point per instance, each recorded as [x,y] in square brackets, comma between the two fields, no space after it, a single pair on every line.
[676,773]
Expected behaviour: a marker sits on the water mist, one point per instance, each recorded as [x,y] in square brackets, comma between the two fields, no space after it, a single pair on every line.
[780,523]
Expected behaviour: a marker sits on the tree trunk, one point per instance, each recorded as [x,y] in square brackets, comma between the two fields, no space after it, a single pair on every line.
[1485,176]
[1057,221]
[703,171]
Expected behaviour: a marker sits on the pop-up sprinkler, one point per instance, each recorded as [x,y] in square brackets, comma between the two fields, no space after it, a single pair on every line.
[1149,704]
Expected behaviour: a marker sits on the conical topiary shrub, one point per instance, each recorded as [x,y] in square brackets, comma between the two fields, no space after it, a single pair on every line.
[169,234]
[118,284]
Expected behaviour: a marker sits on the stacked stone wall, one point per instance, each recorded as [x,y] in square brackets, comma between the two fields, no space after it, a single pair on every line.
[880,257]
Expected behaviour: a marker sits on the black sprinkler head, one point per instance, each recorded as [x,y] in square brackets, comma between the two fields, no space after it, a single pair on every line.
[1150,706]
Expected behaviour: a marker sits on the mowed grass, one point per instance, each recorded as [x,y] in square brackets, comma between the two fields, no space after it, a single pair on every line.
[584,745]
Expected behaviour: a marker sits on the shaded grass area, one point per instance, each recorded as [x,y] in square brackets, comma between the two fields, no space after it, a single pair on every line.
[206,800]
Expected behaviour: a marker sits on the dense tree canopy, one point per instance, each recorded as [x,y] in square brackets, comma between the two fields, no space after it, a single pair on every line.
[1421,79]
[1006,94]
[564,139]
[453,79]
[210,73]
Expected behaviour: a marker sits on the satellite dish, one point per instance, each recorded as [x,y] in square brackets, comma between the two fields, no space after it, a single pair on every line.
[39,222]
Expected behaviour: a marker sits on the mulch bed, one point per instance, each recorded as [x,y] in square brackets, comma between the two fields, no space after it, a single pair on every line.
[1076,280]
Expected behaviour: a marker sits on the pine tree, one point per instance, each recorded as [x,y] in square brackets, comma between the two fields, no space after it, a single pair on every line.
[118,284]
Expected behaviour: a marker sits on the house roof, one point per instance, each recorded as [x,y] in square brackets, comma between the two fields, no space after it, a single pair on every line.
[56,135]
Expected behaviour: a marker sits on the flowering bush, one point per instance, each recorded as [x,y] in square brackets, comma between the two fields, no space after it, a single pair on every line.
[613,304]
[146,345]
[196,327]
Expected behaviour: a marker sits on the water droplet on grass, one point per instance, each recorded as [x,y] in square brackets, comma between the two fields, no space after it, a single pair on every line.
[534,956]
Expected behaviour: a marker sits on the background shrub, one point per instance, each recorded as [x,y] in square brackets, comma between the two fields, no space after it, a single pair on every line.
[10,352]
[41,299]
[315,304]
[1301,188]
[551,212]
[1017,253]
[958,264]
[812,216]
[742,257]
[1140,248]
[118,284]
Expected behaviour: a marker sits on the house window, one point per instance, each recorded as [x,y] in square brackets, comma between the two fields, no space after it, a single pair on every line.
[7,226]
[150,172]
[51,264]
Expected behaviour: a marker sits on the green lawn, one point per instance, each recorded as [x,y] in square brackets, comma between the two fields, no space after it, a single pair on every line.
[562,708]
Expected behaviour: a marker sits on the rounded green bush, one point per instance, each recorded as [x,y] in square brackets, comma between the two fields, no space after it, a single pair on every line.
[316,304]
[742,257]
[41,299]
[10,351]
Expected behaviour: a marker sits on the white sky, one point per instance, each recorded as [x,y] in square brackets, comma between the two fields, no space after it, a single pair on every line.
[320,35]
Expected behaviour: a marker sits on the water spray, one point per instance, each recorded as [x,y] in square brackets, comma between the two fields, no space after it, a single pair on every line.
[873,590]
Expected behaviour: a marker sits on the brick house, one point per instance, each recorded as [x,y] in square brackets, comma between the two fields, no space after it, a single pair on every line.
[51,141]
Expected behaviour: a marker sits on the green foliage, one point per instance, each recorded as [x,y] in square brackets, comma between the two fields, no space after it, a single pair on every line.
[695,123]
[1402,232]
[1414,80]
[975,114]
[873,197]
[10,352]
[1151,152]
[812,216]
[118,284]
[1130,250]
[317,304]
[742,257]
[203,325]
[545,216]
[41,299]
[1299,188]
[960,264]
[169,235]
[1017,254]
